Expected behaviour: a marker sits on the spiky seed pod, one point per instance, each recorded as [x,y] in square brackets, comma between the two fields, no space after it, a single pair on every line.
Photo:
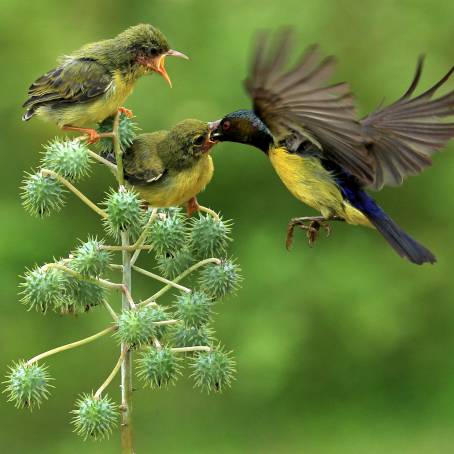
[135,327]
[194,308]
[41,195]
[90,259]
[159,314]
[219,280]
[158,367]
[27,385]
[81,296]
[124,212]
[214,370]
[209,237]
[42,289]
[172,265]
[68,158]
[128,130]
[94,417]
[191,336]
[168,233]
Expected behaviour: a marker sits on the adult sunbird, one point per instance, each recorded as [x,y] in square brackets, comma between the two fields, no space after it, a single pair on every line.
[93,82]
[326,157]
[169,168]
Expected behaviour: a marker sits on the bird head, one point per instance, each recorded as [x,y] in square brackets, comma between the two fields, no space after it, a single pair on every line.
[147,48]
[243,126]
[190,139]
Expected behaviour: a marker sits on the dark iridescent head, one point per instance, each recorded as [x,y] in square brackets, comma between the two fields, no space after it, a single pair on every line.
[244,126]
[146,46]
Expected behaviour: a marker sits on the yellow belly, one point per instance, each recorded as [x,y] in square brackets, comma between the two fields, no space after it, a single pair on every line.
[179,187]
[90,112]
[311,183]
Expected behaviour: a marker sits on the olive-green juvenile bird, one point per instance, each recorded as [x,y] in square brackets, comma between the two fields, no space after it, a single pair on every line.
[93,82]
[169,168]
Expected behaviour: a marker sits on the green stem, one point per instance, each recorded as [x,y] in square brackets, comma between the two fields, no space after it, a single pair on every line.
[111,375]
[76,344]
[143,236]
[131,248]
[102,160]
[113,314]
[165,289]
[160,279]
[196,348]
[75,191]
[210,212]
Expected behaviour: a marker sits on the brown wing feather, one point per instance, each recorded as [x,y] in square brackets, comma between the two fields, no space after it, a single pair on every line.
[76,80]
[403,136]
[299,101]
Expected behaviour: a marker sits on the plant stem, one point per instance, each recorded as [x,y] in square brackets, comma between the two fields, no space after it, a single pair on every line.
[210,212]
[126,364]
[161,279]
[78,343]
[102,160]
[113,314]
[111,375]
[130,248]
[75,191]
[165,289]
[143,236]
[196,348]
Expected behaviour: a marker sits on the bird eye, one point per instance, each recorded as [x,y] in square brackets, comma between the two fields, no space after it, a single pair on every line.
[226,125]
[198,140]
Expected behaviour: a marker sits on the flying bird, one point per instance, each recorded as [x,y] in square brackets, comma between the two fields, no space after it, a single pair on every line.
[323,154]
[92,83]
[169,168]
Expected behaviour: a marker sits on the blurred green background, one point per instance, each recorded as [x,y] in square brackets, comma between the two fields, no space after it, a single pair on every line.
[343,348]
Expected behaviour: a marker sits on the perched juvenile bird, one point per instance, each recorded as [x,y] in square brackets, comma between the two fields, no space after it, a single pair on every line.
[169,168]
[326,157]
[93,82]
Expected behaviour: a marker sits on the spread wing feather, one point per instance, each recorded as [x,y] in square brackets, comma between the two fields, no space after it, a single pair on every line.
[299,101]
[402,137]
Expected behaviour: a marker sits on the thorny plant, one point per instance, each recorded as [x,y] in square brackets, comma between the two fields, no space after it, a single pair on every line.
[162,337]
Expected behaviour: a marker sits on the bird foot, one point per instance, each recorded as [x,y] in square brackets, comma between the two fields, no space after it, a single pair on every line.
[192,206]
[92,135]
[125,111]
[312,227]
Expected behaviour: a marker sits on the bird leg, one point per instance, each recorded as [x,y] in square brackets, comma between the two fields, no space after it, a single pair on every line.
[125,111]
[92,135]
[192,206]
[312,225]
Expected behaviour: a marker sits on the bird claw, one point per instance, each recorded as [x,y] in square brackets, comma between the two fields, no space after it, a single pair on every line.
[128,113]
[311,226]
[92,136]
[192,206]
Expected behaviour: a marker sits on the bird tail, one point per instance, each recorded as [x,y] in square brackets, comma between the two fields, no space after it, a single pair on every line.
[397,238]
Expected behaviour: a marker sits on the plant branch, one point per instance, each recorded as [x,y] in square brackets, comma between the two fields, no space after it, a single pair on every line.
[165,289]
[76,344]
[75,191]
[111,375]
[113,314]
[196,348]
[210,212]
[131,248]
[143,236]
[102,160]
[160,279]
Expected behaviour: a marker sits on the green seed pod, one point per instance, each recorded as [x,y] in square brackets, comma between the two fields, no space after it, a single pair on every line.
[193,309]
[94,417]
[158,368]
[209,237]
[27,385]
[191,336]
[90,259]
[135,327]
[68,158]
[43,289]
[124,212]
[41,195]
[159,314]
[172,265]
[220,280]
[213,371]
[128,130]
[81,296]
[168,233]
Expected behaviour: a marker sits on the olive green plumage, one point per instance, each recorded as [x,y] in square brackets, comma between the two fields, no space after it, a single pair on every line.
[169,168]
[91,83]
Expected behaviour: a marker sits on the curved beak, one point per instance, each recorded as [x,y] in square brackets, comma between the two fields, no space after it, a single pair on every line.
[213,126]
[210,142]
[159,65]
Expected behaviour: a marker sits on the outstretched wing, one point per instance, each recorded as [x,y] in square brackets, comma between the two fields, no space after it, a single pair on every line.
[403,136]
[299,101]
[76,80]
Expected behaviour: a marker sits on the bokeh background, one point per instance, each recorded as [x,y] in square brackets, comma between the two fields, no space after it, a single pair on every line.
[343,348]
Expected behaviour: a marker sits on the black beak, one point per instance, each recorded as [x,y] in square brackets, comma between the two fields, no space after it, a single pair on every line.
[215,133]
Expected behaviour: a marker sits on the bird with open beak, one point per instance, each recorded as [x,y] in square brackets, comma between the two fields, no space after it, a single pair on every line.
[92,83]
[170,168]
